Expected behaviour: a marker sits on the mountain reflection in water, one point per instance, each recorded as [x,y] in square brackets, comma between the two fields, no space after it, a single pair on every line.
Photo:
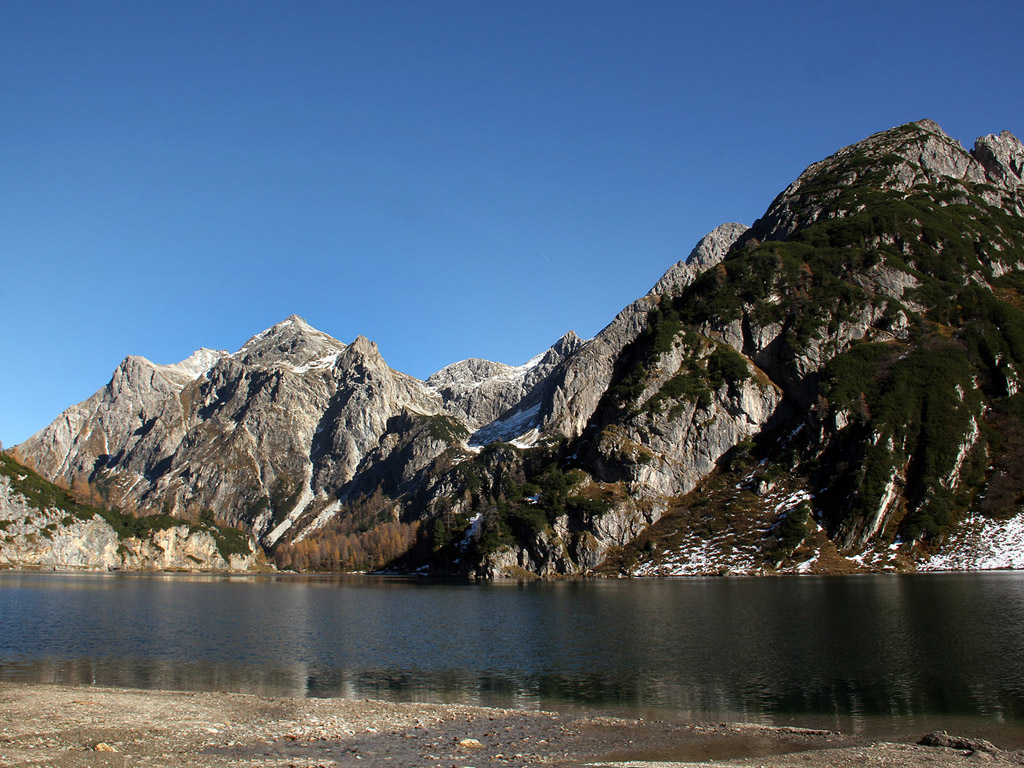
[758,649]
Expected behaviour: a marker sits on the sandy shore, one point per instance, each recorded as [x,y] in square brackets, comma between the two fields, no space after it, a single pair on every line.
[75,727]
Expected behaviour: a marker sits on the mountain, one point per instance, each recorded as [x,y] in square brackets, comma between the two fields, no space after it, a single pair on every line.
[834,388]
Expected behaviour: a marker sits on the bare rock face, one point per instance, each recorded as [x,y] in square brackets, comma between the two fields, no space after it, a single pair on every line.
[367,395]
[580,383]
[708,252]
[55,538]
[1002,157]
[52,537]
[669,453]
[714,246]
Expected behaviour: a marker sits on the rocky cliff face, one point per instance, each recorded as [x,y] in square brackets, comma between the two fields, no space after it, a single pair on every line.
[833,388]
[41,526]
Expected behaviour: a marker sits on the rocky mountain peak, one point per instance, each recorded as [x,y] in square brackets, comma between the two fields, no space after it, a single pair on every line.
[912,157]
[566,345]
[137,374]
[361,351]
[711,248]
[361,357]
[364,346]
[472,370]
[292,343]
[132,363]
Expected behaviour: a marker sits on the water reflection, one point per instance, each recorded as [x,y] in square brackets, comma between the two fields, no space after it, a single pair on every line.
[852,648]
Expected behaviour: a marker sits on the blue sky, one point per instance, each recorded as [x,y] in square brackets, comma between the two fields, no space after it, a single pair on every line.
[450,179]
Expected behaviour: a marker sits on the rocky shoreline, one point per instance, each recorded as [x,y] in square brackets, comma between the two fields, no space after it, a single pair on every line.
[73,727]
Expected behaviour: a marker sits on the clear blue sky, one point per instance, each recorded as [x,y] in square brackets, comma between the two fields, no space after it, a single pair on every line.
[450,179]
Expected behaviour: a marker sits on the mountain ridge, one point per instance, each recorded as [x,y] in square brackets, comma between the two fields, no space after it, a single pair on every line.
[895,258]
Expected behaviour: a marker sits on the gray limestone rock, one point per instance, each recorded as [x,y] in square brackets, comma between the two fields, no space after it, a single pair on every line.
[581,381]
[1002,157]
[708,252]
[255,437]
[53,538]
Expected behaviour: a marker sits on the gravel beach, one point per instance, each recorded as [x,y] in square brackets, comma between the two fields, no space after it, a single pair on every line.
[79,727]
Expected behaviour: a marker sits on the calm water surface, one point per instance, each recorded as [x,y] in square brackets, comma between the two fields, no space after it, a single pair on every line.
[909,650]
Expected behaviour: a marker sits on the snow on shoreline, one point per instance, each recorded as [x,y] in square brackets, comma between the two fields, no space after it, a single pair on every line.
[982,544]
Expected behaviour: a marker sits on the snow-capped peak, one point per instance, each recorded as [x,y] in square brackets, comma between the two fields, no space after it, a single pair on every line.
[293,344]
[198,363]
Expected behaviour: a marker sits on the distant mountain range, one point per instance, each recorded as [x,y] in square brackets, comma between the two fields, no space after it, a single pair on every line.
[835,388]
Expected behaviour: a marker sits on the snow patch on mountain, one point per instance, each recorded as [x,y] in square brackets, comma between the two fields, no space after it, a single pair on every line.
[300,506]
[981,544]
[319,364]
[510,427]
[473,372]
[196,364]
[702,556]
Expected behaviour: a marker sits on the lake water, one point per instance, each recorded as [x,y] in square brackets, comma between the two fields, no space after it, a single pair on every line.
[897,652]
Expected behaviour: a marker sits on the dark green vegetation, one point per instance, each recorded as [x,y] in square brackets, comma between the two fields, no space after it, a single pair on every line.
[230,541]
[914,411]
[41,494]
[791,531]
[507,496]
[284,495]
[915,392]
[705,367]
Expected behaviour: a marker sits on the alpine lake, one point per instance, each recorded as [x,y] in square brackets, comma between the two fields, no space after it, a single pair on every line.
[877,654]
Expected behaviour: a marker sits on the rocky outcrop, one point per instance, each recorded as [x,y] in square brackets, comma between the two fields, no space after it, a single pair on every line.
[580,383]
[645,451]
[1002,157]
[709,251]
[898,160]
[54,538]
